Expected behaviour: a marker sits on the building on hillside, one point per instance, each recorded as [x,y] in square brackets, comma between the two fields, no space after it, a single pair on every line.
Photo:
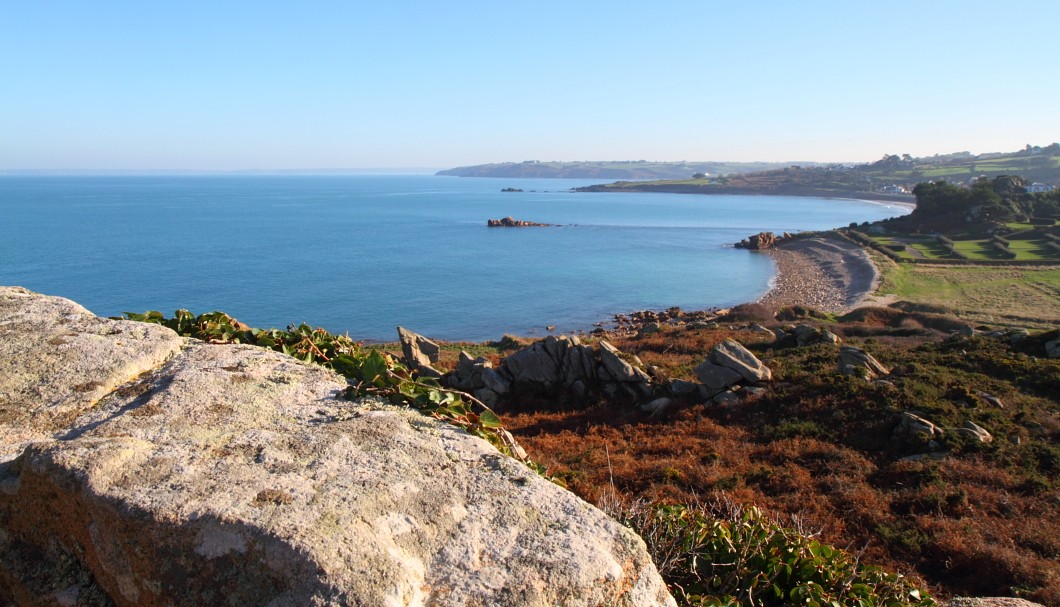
[1036,188]
[893,189]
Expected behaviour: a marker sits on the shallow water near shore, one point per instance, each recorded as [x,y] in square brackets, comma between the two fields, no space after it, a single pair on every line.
[361,254]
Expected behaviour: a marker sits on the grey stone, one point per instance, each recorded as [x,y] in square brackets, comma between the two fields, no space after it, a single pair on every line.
[731,354]
[532,365]
[1052,348]
[420,353]
[493,380]
[858,362]
[726,398]
[716,377]
[650,328]
[579,364]
[680,387]
[487,396]
[991,400]
[241,473]
[976,431]
[757,328]
[913,427]
[616,367]
[57,360]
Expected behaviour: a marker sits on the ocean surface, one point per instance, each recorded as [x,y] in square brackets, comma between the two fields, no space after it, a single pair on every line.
[362,254]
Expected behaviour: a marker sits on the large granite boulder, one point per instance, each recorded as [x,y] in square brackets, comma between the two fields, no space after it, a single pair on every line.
[236,475]
[57,360]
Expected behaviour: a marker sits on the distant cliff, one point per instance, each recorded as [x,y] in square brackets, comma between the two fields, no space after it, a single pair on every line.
[611,169]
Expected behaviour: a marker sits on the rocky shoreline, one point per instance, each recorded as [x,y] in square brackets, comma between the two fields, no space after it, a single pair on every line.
[821,272]
[825,273]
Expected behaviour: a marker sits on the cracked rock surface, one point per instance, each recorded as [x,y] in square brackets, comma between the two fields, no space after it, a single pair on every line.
[196,474]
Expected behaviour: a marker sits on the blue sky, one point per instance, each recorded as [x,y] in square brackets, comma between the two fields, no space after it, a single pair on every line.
[270,85]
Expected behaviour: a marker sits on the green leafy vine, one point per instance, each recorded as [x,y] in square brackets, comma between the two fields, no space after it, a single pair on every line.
[370,372]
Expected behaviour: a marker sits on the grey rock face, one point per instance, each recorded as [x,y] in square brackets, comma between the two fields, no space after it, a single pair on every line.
[532,365]
[731,354]
[716,377]
[975,431]
[420,353]
[913,427]
[236,475]
[57,359]
[855,361]
[618,369]
[1052,348]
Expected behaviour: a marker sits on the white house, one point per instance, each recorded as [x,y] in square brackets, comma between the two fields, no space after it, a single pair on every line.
[1036,187]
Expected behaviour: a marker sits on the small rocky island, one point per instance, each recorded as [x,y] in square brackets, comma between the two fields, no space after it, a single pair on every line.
[511,190]
[511,222]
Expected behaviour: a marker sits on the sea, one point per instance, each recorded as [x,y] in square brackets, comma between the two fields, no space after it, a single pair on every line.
[361,254]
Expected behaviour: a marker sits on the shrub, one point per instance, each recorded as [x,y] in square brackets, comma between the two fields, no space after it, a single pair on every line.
[746,559]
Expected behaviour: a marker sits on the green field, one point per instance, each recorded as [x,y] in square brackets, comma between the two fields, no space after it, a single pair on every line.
[978,249]
[1006,295]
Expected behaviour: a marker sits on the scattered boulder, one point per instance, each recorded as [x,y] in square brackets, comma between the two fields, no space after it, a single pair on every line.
[974,430]
[912,427]
[208,474]
[419,352]
[733,355]
[991,400]
[858,362]
[1052,348]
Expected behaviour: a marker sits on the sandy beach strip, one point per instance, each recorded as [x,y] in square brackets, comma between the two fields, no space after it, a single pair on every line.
[825,273]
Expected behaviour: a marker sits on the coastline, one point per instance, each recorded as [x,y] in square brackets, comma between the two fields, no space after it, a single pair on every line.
[822,272]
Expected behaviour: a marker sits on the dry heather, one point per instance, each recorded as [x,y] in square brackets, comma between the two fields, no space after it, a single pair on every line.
[982,520]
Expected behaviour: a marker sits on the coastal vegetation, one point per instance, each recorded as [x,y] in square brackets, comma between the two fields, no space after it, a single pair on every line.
[708,556]
[825,447]
[890,178]
[989,252]
[817,445]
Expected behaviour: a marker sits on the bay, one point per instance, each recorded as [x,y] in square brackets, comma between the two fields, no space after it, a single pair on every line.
[361,254]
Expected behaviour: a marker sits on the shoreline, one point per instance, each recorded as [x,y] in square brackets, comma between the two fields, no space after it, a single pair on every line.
[822,272]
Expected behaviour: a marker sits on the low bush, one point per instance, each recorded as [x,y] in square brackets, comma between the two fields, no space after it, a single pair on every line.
[743,558]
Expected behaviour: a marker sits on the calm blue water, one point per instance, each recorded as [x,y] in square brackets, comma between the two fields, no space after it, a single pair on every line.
[365,253]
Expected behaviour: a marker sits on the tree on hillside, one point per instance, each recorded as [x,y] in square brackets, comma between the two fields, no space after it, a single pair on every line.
[1009,185]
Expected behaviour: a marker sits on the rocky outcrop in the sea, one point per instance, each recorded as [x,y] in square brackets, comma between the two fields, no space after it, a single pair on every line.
[758,242]
[511,222]
[141,468]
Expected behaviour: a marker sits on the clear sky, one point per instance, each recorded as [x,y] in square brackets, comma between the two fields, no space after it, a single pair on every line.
[270,85]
